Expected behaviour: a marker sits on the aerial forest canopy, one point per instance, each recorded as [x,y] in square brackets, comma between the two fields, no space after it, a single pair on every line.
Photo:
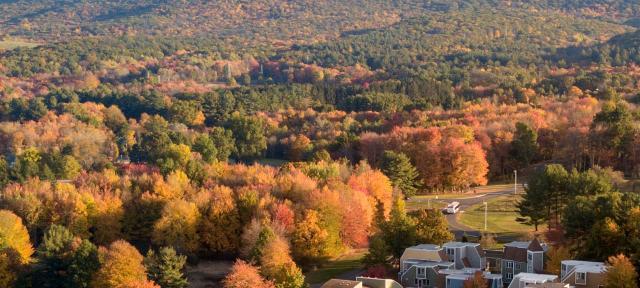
[141,137]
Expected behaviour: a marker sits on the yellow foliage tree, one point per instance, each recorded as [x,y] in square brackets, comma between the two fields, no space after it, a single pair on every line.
[121,266]
[621,273]
[14,236]
[107,220]
[555,256]
[309,239]
[177,227]
[220,227]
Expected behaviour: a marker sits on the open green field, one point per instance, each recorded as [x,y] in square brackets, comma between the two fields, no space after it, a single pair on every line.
[9,44]
[501,218]
[334,268]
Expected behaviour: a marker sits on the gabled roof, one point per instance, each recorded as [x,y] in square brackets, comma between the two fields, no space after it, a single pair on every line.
[515,253]
[535,246]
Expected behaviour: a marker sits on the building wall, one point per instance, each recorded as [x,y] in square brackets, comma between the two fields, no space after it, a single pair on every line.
[517,268]
[594,280]
[538,262]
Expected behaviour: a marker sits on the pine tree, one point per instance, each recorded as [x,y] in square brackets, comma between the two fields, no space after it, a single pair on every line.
[165,268]
[401,172]
[524,146]
[399,232]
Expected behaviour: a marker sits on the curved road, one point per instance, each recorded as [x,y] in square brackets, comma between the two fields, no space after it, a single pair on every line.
[467,200]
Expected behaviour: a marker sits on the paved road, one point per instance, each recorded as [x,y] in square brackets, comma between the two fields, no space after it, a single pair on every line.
[467,200]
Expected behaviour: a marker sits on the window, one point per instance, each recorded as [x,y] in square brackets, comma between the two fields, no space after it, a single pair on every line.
[530,256]
[451,253]
[510,264]
[518,266]
[415,281]
[509,276]
[581,278]
[421,271]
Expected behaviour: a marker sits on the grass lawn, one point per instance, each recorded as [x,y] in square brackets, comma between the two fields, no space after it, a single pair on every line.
[424,204]
[336,267]
[501,218]
[9,44]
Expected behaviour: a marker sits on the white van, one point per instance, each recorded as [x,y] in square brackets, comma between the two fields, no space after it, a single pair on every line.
[453,208]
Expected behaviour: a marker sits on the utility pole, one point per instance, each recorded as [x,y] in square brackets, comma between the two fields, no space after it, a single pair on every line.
[485,215]
[515,182]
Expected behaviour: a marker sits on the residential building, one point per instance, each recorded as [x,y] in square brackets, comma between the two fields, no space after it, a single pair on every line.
[522,257]
[525,280]
[455,278]
[465,255]
[419,265]
[362,282]
[548,285]
[339,283]
[494,260]
[582,273]
[378,282]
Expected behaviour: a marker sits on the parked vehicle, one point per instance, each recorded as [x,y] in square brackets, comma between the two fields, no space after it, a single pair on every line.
[453,208]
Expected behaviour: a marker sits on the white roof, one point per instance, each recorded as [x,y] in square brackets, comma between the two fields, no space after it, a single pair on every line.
[464,271]
[535,278]
[430,247]
[586,266]
[459,244]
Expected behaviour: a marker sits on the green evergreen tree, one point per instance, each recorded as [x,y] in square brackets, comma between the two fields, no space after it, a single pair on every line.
[166,268]
[65,260]
[400,231]
[524,146]
[432,227]
[397,166]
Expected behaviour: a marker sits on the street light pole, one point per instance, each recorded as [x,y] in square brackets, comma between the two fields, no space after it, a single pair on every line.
[485,215]
[515,182]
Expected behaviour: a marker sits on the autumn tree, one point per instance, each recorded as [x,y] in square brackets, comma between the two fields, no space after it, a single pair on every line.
[397,166]
[166,267]
[120,264]
[554,259]
[14,236]
[278,266]
[620,273]
[220,226]
[309,239]
[177,227]
[243,275]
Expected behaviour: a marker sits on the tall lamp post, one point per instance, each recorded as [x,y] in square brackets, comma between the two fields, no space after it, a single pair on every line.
[515,182]
[485,215]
